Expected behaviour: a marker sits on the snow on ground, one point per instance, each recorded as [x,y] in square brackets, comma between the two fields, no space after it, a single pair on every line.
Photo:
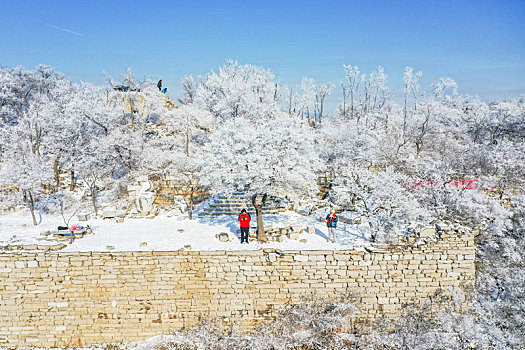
[167,233]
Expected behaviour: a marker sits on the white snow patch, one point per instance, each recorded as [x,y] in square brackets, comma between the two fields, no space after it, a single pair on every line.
[166,234]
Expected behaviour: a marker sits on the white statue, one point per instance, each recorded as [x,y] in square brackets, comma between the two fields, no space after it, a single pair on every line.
[145,198]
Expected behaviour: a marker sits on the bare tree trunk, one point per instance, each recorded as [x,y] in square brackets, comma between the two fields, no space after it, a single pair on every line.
[93,199]
[187,135]
[352,105]
[290,104]
[344,99]
[405,116]
[72,182]
[419,145]
[31,203]
[191,201]
[261,235]
[321,110]
[55,170]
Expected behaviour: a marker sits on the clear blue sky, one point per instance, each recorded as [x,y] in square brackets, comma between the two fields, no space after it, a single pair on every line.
[479,43]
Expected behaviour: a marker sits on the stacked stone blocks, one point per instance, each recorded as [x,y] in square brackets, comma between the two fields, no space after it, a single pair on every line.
[77,299]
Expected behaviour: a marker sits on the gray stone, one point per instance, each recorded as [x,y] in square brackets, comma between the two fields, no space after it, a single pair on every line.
[224,237]
[293,235]
[108,214]
[121,213]
[297,228]
[57,246]
[443,227]
[427,232]
[304,210]
[83,217]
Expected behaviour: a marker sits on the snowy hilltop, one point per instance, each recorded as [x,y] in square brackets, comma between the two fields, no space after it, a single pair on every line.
[123,167]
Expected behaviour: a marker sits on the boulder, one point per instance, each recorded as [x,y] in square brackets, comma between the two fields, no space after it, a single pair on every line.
[224,237]
[120,213]
[108,213]
[144,244]
[297,228]
[304,210]
[293,235]
[110,247]
[83,217]
[310,230]
[345,220]
[427,232]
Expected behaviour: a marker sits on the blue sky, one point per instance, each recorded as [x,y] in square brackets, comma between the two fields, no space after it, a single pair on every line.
[480,43]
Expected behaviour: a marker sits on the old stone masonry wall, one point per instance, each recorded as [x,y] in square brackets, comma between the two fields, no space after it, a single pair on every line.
[72,299]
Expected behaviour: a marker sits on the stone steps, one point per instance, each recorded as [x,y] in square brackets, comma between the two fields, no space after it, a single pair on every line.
[232,204]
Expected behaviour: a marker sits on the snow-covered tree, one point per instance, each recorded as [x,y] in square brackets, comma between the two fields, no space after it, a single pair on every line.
[268,156]
[238,90]
[353,79]
[380,199]
[26,169]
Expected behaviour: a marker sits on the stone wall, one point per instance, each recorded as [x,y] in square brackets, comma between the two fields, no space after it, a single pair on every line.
[73,299]
[167,189]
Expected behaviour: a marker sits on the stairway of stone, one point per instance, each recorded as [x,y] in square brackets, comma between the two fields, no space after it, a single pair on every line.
[233,203]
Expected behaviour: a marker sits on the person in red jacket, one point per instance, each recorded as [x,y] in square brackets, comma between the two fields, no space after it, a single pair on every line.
[244,219]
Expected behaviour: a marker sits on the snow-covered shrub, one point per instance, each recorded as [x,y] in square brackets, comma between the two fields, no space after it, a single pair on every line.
[500,280]
[380,199]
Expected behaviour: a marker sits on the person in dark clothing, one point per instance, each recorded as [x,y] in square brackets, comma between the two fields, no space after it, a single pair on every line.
[244,219]
[159,85]
[331,222]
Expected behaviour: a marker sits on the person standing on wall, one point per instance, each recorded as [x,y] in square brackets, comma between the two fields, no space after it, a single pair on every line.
[331,222]
[159,85]
[244,219]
